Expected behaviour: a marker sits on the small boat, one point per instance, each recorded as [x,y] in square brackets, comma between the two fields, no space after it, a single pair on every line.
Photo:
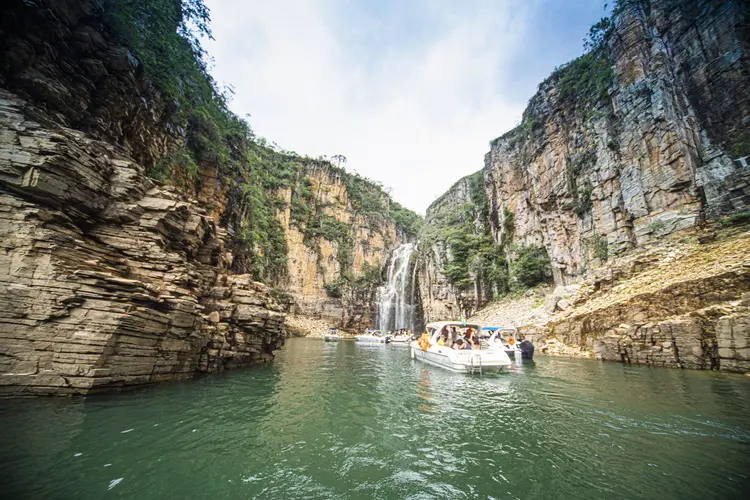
[372,337]
[507,339]
[400,338]
[478,359]
[332,335]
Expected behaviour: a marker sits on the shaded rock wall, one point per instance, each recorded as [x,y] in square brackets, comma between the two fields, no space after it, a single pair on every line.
[439,298]
[107,279]
[640,139]
[60,56]
[591,177]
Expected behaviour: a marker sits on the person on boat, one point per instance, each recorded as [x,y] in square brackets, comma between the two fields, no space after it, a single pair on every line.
[450,339]
[459,345]
[441,341]
[424,341]
[471,338]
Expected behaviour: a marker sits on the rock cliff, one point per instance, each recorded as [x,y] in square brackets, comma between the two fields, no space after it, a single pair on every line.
[147,234]
[108,279]
[641,138]
[455,259]
[336,250]
[633,141]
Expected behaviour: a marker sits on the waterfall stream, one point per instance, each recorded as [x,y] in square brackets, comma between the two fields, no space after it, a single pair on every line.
[393,298]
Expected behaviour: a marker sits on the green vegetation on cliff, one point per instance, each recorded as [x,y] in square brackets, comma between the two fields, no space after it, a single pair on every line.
[458,224]
[164,36]
[264,177]
[471,257]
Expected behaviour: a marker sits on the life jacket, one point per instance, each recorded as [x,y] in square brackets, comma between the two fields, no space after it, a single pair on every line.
[424,343]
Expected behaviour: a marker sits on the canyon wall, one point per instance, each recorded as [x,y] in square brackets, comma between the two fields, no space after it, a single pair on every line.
[440,297]
[108,279]
[633,142]
[644,136]
[147,234]
[336,253]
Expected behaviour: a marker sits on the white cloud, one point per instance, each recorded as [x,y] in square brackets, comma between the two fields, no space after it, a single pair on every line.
[416,115]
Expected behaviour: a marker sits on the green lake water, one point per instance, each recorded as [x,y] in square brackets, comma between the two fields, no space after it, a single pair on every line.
[352,421]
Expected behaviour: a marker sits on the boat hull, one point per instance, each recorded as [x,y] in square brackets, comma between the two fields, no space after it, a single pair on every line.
[404,342]
[367,339]
[331,338]
[471,361]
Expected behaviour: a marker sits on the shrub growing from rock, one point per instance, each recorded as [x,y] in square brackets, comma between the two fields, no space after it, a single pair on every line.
[530,268]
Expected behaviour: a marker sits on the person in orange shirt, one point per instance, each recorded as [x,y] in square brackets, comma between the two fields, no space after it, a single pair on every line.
[424,341]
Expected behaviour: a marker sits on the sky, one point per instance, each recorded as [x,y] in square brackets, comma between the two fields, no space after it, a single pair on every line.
[409,91]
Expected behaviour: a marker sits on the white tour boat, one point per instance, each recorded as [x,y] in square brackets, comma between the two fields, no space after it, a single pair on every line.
[478,359]
[372,337]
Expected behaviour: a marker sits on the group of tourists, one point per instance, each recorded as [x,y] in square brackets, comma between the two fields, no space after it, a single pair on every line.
[401,331]
[451,338]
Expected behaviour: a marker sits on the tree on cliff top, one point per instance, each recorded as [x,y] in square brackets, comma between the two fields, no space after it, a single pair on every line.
[165,37]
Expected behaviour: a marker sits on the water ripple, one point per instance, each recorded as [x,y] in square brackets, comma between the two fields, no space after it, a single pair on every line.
[351,421]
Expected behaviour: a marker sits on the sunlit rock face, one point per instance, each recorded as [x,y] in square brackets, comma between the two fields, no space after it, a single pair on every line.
[314,263]
[107,279]
[590,176]
[679,305]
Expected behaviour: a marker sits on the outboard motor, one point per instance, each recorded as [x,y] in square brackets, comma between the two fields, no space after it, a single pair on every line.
[527,349]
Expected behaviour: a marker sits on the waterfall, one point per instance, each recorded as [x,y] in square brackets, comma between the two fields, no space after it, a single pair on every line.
[393,301]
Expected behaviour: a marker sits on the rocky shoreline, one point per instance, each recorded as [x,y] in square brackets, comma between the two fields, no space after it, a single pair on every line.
[682,303]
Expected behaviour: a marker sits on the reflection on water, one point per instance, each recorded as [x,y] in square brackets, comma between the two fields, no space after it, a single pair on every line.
[344,420]
[424,391]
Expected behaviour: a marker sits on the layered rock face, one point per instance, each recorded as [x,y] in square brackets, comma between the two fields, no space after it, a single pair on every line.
[590,175]
[684,306]
[107,279]
[316,262]
[60,56]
